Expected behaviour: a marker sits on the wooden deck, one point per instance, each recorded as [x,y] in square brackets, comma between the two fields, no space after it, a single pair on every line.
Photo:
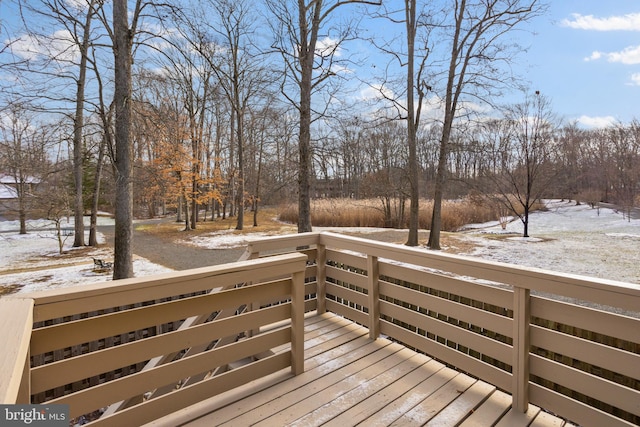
[350,379]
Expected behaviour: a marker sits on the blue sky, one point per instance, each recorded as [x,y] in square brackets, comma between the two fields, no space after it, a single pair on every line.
[585,56]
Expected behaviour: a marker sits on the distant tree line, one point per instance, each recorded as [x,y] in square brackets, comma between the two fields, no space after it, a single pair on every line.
[209,109]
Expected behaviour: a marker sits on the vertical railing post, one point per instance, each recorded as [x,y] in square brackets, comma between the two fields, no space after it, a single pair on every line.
[373,296]
[321,277]
[521,346]
[16,326]
[24,393]
[297,322]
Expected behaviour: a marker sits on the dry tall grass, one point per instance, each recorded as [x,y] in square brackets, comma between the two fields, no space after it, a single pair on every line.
[369,213]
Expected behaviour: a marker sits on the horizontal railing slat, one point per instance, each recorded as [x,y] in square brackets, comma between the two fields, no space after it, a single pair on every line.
[590,385]
[455,285]
[593,353]
[77,368]
[93,398]
[462,337]
[347,312]
[87,298]
[471,365]
[172,402]
[351,277]
[577,412]
[462,312]
[346,258]
[347,294]
[591,319]
[85,330]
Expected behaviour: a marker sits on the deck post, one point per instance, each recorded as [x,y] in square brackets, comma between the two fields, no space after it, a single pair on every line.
[521,347]
[24,392]
[297,322]
[321,277]
[373,285]
[16,325]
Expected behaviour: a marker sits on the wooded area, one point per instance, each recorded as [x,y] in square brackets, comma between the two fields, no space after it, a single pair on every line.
[212,109]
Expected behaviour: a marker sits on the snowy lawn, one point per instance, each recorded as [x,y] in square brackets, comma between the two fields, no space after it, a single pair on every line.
[32,262]
[567,238]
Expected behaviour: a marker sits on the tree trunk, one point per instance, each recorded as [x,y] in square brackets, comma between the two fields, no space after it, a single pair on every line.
[78,127]
[412,239]
[93,238]
[123,259]
[240,128]
[306,55]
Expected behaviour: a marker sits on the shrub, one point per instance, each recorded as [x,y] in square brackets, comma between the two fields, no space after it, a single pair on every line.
[368,213]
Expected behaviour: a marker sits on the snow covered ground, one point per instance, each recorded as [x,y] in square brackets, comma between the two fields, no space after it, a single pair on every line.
[32,262]
[568,238]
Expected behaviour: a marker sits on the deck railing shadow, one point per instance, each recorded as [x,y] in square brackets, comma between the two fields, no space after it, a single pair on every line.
[566,343]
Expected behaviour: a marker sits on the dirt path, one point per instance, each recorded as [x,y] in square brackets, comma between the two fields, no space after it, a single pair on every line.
[171,253]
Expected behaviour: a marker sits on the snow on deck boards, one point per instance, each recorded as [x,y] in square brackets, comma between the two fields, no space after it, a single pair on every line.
[350,379]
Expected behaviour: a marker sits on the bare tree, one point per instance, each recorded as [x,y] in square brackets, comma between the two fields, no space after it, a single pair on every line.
[525,148]
[297,30]
[414,82]
[624,143]
[241,74]
[122,38]
[23,156]
[476,49]
[64,31]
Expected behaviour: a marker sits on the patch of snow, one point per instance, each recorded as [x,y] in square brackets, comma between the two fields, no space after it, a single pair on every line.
[568,238]
[65,277]
[225,239]
[44,268]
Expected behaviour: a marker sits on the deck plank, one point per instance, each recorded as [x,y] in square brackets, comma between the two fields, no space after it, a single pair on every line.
[350,379]
[307,384]
[436,402]
[332,387]
[406,402]
[489,411]
[545,419]
[384,397]
[463,405]
[362,392]
[515,418]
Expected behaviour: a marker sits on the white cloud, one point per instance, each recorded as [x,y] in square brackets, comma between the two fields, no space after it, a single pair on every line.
[628,56]
[59,45]
[594,56]
[79,5]
[629,22]
[635,79]
[597,122]
[327,47]
[376,92]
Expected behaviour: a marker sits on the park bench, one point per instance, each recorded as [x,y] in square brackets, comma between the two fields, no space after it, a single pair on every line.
[101,265]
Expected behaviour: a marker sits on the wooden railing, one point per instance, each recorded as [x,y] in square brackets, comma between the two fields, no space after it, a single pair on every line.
[566,343]
[85,315]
